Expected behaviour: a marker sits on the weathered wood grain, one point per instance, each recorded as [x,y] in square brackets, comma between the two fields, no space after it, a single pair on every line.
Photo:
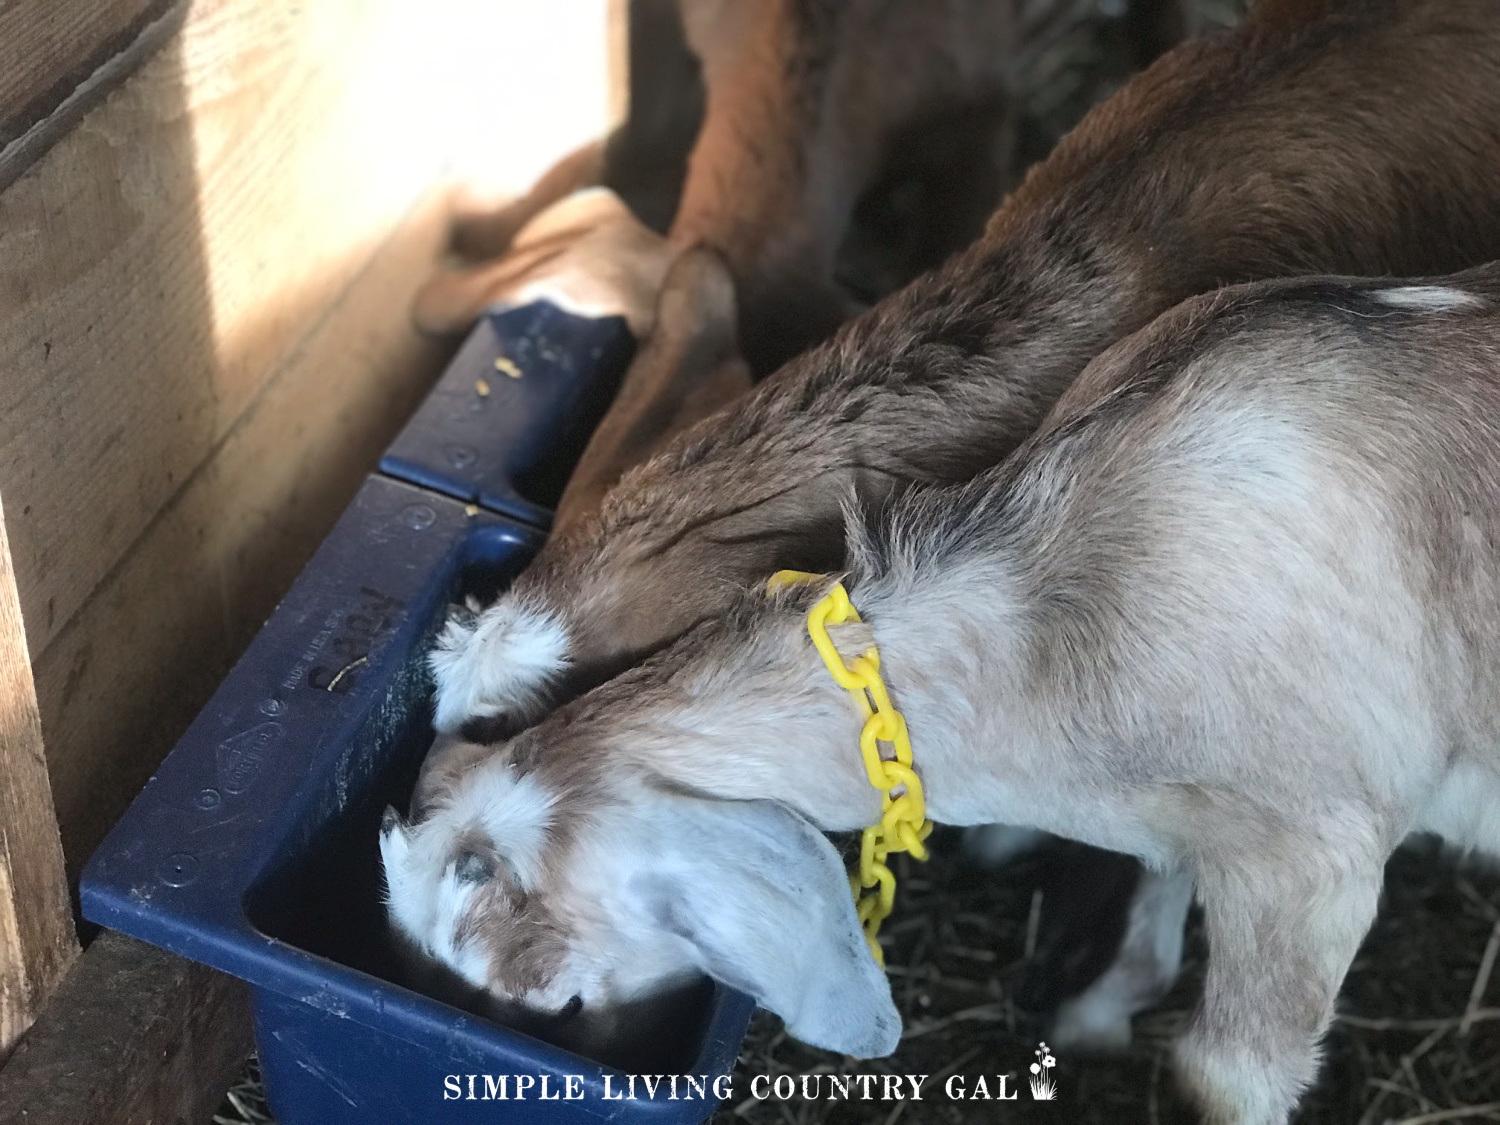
[134,1036]
[128,672]
[157,265]
[58,58]
[37,942]
[204,345]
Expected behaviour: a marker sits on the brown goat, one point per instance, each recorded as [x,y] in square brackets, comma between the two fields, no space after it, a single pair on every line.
[803,102]
[1366,142]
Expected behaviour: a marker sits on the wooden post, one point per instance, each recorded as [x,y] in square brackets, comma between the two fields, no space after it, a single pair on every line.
[37,940]
[135,1036]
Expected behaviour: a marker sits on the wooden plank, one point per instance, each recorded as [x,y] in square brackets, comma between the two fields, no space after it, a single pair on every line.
[58,58]
[127,674]
[135,1036]
[37,943]
[162,261]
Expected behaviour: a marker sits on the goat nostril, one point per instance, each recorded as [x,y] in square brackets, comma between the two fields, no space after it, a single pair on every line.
[571,1008]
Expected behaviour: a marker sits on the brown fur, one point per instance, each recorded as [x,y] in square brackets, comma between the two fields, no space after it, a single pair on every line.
[1367,142]
[804,97]
[810,103]
[802,103]
[688,367]
[523,938]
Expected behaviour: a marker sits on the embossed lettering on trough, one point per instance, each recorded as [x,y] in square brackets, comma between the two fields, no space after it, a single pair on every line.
[240,757]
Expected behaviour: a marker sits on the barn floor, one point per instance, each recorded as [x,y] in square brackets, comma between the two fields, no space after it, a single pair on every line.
[1401,1051]
[1398,1054]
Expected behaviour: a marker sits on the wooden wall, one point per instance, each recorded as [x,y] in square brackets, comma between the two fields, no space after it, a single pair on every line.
[203,327]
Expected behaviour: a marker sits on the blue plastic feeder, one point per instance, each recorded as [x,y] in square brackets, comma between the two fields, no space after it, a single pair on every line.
[510,416]
[254,847]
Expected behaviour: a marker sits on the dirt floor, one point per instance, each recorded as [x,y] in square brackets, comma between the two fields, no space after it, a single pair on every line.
[1400,1052]
[1417,1041]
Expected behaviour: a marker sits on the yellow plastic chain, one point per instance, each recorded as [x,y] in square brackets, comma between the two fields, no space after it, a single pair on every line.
[903,823]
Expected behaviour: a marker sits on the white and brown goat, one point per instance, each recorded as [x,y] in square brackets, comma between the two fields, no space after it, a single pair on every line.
[1234,609]
[810,107]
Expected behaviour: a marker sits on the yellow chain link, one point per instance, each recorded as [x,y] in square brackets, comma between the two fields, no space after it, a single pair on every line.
[903,824]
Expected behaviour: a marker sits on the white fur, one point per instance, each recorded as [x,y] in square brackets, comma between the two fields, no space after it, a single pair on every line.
[658,889]
[1144,967]
[499,662]
[514,811]
[610,263]
[721,884]
[452,902]
[1427,298]
[1233,1089]
[1205,628]
[425,898]
[1466,809]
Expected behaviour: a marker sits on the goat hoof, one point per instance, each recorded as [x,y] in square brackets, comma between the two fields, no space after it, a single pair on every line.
[1091,1025]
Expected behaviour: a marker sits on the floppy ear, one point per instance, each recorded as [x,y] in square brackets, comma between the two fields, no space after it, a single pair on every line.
[763,898]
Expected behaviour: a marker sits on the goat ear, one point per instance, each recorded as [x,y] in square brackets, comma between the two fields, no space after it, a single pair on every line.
[763,898]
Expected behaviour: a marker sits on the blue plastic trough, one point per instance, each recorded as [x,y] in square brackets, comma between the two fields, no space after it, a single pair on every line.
[511,414]
[254,848]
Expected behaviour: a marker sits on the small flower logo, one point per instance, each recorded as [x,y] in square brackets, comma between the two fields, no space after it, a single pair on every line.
[1043,1085]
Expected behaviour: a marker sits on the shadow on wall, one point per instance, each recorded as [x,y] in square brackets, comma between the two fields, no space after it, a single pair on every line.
[107,337]
[204,332]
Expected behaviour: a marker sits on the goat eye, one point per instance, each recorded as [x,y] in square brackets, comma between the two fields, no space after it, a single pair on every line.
[472,868]
[571,1008]
[487,730]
